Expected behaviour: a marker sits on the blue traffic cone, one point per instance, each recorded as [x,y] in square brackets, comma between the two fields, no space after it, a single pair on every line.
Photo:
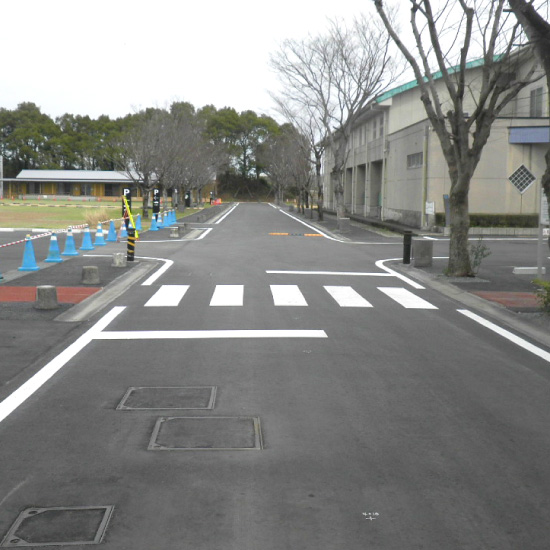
[160,223]
[123,231]
[29,261]
[174,217]
[99,238]
[138,222]
[53,252]
[154,223]
[87,240]
[70,248]
[111,236]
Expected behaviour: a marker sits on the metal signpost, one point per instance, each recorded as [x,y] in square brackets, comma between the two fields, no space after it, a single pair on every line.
[544,221]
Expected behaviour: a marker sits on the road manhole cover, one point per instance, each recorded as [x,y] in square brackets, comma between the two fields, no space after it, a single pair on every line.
[58,526]
[189,397]
[212,433]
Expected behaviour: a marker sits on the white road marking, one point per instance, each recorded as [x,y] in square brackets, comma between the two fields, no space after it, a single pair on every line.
[204,234]
[228,295]
[337,273]
[167,296]
[345,296]
[406,298]
[287,295]
[167,265]
[21,394]
[380,264]
[314,229]
[227,214]
[507,334]
[207,334]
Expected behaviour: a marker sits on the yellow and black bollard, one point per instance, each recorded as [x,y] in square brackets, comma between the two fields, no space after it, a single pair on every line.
[131,244]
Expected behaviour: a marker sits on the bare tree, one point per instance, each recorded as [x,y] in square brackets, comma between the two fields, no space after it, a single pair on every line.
[537,30]
[308,122]
[334,76]
[462,111]
[285,160]
[144,152]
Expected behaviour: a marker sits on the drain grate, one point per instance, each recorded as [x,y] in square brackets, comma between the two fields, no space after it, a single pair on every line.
[201,433]
[58,526]
[188,397]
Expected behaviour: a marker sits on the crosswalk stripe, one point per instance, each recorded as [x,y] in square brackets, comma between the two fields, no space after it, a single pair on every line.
[228,295]
[406,298]
[287,295]
[167,296]
[345,296]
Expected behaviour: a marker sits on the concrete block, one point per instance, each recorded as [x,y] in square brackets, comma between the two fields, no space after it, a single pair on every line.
[527,271]
[175,232]
[119,260]
[90,275]
[422,250]
[46,297]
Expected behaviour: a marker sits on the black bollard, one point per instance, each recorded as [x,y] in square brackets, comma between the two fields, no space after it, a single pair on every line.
[131,244]
[407,241]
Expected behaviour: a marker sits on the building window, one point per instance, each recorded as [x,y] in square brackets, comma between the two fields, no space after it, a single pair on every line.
[416,160]
[535,106]
[374,124]
[381,127]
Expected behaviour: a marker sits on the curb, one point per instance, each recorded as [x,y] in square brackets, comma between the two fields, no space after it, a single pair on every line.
[90,306]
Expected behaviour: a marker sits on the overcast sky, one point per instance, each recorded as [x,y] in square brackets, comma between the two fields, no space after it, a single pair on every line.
[115,57]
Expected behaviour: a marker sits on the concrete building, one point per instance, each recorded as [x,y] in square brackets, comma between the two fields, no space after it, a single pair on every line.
[396,169]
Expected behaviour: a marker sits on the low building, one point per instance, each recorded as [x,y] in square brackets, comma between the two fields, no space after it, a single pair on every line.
[396,169]
[68,183]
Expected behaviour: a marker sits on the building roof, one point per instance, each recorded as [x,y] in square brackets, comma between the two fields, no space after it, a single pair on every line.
[88,176]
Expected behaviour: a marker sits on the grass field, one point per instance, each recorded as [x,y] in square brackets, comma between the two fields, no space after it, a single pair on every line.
[43,214]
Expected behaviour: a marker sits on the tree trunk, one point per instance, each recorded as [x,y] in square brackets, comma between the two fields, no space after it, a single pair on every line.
[338,188]
[145,209]
[459,257]
[319,187]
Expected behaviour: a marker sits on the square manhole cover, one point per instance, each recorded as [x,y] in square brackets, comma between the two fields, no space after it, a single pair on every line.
[201,433]
[58,526]
[188,397]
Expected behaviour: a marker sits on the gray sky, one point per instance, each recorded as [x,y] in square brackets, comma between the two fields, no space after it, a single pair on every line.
[115,57]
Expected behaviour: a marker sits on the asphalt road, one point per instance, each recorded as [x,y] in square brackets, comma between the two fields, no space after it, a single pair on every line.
[393,422]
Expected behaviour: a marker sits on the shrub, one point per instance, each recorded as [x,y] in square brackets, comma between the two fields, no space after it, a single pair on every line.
[96,215]
[543,294]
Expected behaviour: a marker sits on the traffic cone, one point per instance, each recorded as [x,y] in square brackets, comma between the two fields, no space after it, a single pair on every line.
[138,222]
[160,225]
[154,224]
[29,261]
[87,240]
[111,237]
[70,248]
[53,253]
[99,238]
[123,232]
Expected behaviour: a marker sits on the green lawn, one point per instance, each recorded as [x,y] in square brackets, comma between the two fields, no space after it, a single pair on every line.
[48,214]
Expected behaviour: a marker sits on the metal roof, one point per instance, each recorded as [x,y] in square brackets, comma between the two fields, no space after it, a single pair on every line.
[89,176]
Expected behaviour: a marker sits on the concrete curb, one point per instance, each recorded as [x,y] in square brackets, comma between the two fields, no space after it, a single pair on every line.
[90,306]
[496,311]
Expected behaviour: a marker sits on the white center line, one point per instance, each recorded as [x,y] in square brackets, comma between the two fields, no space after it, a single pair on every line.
[207,334]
